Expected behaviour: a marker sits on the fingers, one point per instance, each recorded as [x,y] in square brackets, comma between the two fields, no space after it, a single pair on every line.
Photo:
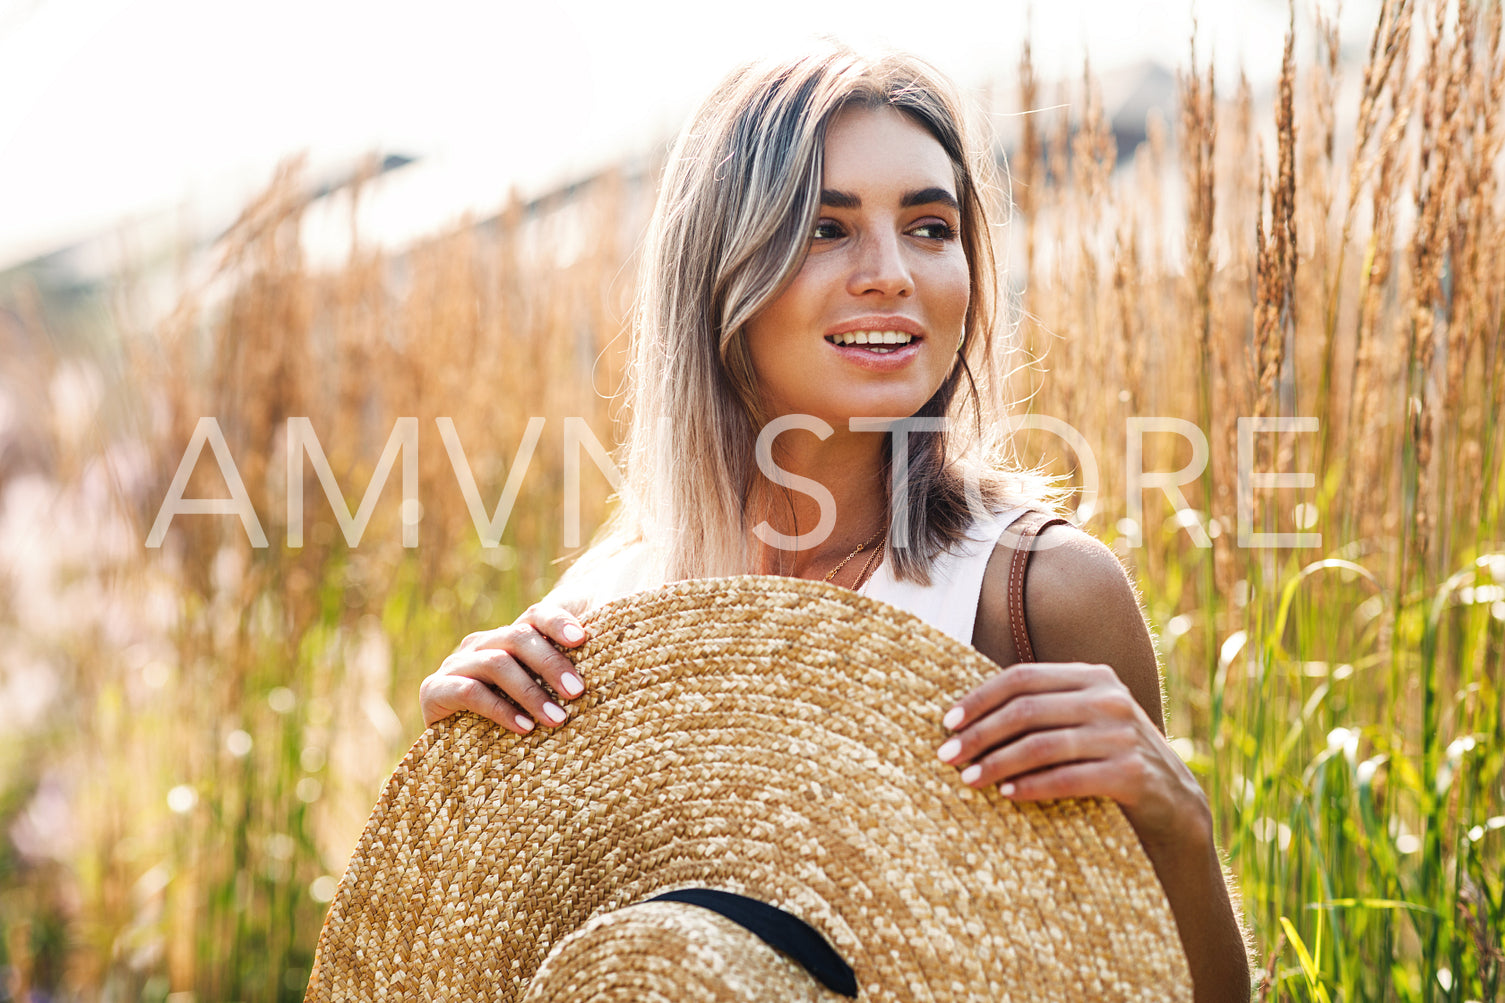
[533,647]
[1048,750]
[512,677]
[1024,679]
[1075,780]
[1046,731]
[554,622]
[530,642]
[1035,728]
[442,695]
[501,673]
[1032,698]
[1019,716]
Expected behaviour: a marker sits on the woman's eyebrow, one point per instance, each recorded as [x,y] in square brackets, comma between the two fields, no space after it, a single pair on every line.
[929,196]
[920,196]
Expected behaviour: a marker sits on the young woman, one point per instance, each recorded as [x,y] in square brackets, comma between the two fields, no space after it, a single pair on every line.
[812,393]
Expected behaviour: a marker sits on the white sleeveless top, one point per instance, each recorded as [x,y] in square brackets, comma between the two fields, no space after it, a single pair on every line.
[949,602]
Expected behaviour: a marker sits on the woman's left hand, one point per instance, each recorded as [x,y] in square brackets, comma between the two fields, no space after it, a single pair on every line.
[1041,731]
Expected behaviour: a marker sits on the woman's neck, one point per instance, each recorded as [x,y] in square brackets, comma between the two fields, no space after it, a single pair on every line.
[800,529]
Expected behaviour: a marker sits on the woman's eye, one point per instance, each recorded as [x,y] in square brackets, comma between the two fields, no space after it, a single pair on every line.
[935,229]
[825,230]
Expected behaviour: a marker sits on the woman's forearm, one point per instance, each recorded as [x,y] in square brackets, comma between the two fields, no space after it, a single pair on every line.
[1194,883]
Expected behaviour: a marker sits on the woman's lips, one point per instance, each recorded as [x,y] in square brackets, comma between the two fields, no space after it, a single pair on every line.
[879,324]
[880,358]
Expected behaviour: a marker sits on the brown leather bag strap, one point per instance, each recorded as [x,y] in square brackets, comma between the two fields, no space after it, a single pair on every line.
[1022,532]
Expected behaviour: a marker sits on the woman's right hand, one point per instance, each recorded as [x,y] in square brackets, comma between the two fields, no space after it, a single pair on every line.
[496,673]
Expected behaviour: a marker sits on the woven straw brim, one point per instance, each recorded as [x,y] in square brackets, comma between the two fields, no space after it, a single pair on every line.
[767,736]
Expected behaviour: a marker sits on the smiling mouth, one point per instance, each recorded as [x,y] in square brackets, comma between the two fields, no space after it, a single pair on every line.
[877,342]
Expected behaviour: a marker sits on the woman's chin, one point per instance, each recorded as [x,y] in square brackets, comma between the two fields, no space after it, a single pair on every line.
[864,413]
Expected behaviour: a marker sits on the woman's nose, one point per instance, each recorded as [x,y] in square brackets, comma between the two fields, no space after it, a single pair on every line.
[880,268]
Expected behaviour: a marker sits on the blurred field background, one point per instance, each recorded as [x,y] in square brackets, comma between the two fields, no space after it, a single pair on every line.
[193,735]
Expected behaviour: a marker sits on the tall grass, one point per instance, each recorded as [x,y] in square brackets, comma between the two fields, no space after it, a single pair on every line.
[201,728]
[226,712]
[1342,701]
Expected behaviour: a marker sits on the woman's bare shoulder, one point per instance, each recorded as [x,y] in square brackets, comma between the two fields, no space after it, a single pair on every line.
[1079,606]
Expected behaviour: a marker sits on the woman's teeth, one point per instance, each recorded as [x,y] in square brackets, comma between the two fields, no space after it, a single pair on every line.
[875,341]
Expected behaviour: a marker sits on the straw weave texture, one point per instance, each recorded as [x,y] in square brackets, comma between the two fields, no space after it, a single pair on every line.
[768,736]
[674,952]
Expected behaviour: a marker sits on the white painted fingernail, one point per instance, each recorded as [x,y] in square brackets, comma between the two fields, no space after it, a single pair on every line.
[572,684]
[971,773]
[554,712]
[1007,790]
[524,722]
[573,633]
[953,717]
[950,750]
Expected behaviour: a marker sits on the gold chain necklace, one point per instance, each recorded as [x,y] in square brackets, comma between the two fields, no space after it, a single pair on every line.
[860,548]
[867,569]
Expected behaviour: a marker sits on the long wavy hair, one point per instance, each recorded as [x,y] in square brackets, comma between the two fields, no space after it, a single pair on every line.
[739,196]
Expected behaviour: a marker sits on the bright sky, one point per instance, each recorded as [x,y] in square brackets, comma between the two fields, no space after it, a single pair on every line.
[113,109]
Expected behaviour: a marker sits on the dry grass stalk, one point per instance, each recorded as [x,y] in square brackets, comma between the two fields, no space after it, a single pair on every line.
[1319,167]
[1373,372]
[1232,381]
[1493,277]
[1028,172]
[1276,286]
[1090,166]
[1127,278]
[1477,226]
[1198,140]
[1388,45]
[1436,199]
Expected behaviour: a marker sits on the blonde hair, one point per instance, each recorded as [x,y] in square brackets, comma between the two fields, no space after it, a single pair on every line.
[738,198]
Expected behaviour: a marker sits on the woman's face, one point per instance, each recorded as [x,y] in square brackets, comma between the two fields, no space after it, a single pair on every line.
[885,264]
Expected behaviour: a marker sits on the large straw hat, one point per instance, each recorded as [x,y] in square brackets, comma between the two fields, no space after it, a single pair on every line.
[769,737]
